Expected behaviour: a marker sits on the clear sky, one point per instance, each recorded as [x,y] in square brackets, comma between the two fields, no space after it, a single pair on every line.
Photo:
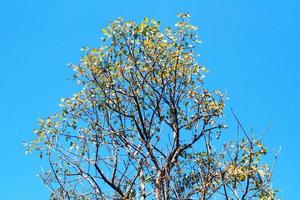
[251,48]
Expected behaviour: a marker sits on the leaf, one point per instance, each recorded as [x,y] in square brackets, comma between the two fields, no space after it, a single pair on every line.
[146,20]
[142,26]
[104,31]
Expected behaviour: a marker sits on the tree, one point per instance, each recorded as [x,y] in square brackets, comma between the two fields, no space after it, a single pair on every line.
[145,127]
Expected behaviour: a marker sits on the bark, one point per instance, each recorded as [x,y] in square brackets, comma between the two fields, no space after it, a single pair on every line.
[143,188]
[158,182]
[167,184]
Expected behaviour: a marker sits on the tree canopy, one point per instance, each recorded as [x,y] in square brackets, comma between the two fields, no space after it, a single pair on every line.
[144,126]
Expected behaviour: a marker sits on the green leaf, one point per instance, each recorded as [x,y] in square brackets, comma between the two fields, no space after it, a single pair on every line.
[104,31]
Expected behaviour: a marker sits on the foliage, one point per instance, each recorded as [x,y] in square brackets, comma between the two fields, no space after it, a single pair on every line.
[144,126]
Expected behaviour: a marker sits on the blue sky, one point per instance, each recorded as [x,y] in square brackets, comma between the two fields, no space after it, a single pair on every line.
[251,48]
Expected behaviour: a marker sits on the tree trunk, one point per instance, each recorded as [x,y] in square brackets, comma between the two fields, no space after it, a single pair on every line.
[158,183]
[143,189]
[167,185]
